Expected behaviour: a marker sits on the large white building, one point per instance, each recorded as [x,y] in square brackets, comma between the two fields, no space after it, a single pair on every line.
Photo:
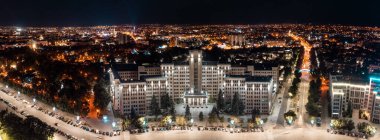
[362,95]
[256,92]
[192,82]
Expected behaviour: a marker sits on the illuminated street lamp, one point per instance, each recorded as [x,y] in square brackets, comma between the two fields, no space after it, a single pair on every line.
[261,121]
[232,122]
[18,93]
[6,86]
[113,124]
[78,118]
[54,109]
[105,118]
[34,100]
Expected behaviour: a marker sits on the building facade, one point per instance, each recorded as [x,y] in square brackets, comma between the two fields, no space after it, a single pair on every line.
[361,95]
[193,82]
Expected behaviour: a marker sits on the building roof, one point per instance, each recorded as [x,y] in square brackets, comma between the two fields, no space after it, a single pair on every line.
[249,78]
[264,66]
[144,77]
[124,67]
[347,79]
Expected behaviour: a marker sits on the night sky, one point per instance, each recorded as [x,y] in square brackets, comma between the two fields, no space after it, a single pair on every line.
[111,12]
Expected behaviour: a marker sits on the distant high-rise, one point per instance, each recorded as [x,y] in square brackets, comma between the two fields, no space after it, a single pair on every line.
[237,40]
[173,42]
[122,38]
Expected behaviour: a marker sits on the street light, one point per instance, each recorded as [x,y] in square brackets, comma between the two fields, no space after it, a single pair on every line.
[18,93]
[78,118]
[105,118]
[6,86]
[34,100]
[113,124]
[54,109]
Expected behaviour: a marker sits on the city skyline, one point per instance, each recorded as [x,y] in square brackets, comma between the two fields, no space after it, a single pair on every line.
[189,70]
[116,12]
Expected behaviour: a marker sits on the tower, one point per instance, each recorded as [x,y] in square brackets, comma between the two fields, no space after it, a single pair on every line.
[195,71]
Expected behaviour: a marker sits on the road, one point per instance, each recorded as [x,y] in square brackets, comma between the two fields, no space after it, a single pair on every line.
[285,102]
[305,80]
[68,129]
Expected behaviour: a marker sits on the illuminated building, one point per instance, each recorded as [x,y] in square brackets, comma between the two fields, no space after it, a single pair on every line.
[344,90]
[375,91]
[173,42]
[122,38]
[192,82]
[237,40]
[361,95]
[255,91]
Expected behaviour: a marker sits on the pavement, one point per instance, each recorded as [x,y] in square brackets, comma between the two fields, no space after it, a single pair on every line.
[303,93]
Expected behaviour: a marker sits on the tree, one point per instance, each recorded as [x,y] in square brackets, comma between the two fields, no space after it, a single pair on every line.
[102,97]
[366,128]
[155,109]
[172,113]
[237,107]
[345,124]
[181,120]
[348,112]
[166,101]
[241,107]
[255,113]
[201,116]
[349,125]
[220,101]
[125,124]
[287,71]
[187,113]
[133,114]
[312,108]
[30,128]
[290,116]
[134,117]
[213,115]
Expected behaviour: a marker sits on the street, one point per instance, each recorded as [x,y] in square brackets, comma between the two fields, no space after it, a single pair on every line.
[67,128]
